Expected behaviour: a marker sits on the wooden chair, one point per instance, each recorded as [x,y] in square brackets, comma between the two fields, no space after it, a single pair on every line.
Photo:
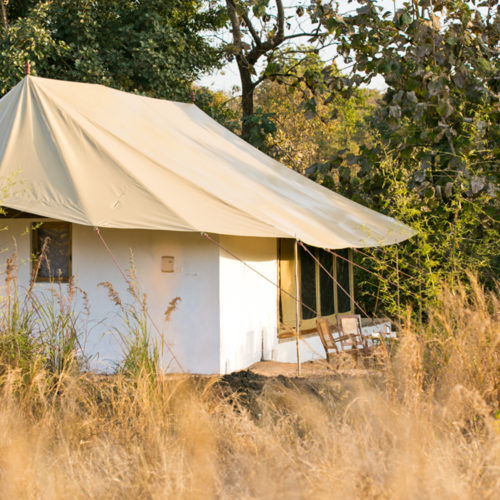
[348,338]
[349,326]
[329,341]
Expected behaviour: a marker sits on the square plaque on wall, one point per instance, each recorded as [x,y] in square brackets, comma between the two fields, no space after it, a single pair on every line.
[167,264]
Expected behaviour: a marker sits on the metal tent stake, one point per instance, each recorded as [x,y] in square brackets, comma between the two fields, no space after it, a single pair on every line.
[297,306]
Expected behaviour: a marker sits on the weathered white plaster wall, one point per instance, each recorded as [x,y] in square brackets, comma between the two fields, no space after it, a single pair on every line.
[248,303]
[192,332]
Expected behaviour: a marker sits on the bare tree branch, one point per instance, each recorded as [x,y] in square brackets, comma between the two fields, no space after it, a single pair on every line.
[280,21]
[298,35]
[235,22]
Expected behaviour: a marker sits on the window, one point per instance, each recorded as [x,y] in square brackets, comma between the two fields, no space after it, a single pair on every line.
[317,290]
[56,264]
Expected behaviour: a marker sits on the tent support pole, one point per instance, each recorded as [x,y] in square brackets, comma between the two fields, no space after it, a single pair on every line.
[419,294]
[297,306]
[397,272]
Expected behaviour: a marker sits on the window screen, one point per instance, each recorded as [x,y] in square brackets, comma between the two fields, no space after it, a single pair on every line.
[308,282]
[326,283]
[343,300]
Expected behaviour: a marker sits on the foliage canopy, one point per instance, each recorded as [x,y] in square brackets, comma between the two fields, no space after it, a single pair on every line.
[153,47]
[436,164]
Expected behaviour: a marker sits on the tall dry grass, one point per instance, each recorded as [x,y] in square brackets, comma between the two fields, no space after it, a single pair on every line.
[423,426]
[41,330]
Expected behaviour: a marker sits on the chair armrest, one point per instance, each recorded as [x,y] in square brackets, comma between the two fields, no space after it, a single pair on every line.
[341,338]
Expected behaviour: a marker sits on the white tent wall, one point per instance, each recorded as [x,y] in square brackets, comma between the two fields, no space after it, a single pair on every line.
[248,303]
[193,330]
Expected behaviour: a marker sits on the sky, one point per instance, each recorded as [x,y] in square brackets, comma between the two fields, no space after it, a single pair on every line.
[227,79]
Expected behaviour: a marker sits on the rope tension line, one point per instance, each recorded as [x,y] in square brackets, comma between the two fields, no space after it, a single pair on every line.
[357,250]
[216,243]
[371,272]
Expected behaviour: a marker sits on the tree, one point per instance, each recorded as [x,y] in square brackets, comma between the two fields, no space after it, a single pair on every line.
[261,29]
[154,47]
[436,165]
[311,123]
[219,106]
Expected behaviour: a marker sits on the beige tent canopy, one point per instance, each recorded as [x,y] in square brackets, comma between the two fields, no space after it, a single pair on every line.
[96,156]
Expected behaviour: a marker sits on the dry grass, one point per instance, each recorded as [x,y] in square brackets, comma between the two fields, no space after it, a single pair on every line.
[425,427]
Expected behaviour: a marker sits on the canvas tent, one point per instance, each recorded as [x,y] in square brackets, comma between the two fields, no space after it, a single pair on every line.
[98,157]
[93,155]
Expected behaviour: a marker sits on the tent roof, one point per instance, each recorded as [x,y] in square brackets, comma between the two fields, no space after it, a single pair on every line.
[96,156]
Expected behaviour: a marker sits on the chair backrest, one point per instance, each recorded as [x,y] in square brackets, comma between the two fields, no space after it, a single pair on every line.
[325,334]
[350,325]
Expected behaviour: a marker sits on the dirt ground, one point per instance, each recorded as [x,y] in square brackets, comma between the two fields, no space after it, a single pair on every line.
[307,369]
[316,377]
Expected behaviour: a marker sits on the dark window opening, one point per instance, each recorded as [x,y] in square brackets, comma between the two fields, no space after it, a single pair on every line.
[343,300]
[307,283]
[55,263]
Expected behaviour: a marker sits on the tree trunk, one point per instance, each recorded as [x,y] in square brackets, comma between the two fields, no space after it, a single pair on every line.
[244,70]
[247,89]
[4,14]
[248,57]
